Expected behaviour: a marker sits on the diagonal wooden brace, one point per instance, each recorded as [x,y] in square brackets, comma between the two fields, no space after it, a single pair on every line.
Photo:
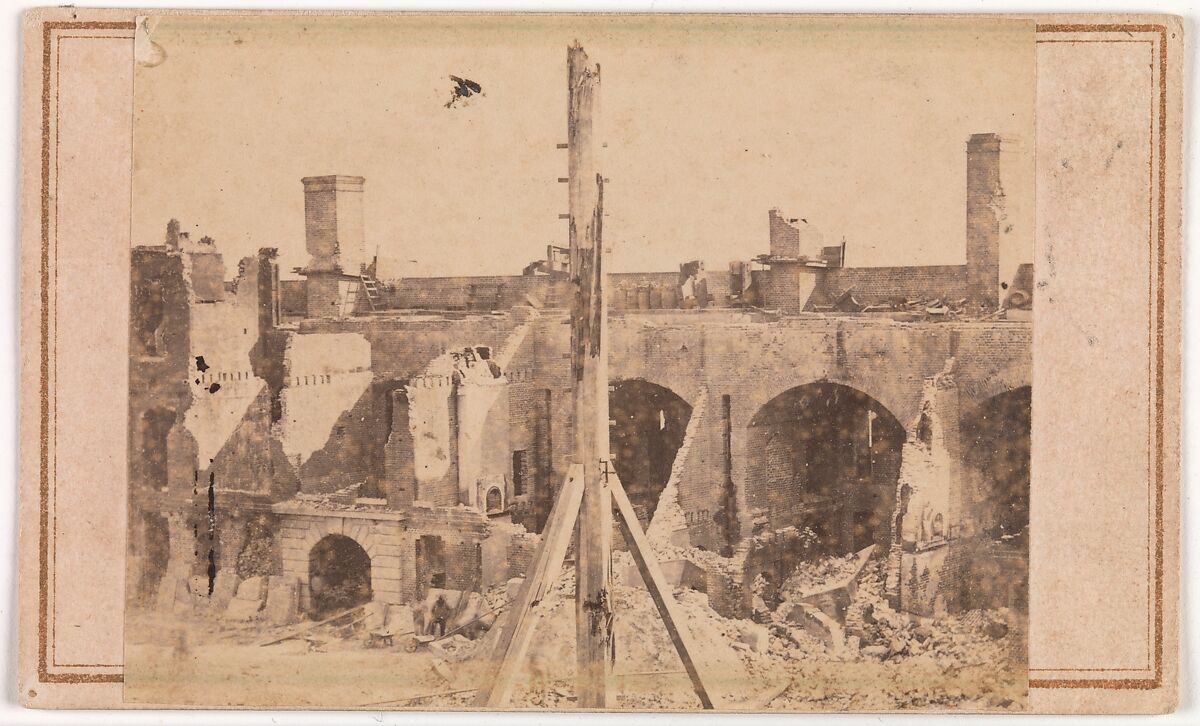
[517,631]
[660,592]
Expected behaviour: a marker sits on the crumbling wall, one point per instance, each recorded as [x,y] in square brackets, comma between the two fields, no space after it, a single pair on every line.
[399,452]
[669,524]
[459,534]
[922,577]
[324,404]
[458,418]
[245,462]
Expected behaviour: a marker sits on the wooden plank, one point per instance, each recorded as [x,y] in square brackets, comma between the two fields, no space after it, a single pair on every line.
[660,592]
[309,626]
[517,631]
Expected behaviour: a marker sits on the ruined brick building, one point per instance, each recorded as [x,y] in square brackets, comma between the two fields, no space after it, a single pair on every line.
[379,437]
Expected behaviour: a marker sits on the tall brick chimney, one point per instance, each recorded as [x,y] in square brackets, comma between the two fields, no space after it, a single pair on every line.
[333,223]
[985,215]
[333,231]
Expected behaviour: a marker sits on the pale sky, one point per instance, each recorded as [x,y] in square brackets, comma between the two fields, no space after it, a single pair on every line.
[858,125]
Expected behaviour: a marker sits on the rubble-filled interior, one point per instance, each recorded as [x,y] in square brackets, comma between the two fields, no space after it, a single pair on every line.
[345,475]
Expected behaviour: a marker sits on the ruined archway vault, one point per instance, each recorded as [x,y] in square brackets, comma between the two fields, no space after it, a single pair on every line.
[823,457]
[649,424]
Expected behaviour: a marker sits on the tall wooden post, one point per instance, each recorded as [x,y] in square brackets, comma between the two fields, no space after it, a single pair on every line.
[589,370]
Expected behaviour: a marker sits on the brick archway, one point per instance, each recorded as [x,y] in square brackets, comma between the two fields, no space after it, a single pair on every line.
[825,457]
[649,425]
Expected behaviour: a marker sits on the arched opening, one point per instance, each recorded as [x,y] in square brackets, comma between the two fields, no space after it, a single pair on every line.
[494,501]
[154,428]
[824,458]
[339,576]
[996,438]
[649,422]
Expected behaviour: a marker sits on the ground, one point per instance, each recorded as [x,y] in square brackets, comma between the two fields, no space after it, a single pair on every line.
[953,664]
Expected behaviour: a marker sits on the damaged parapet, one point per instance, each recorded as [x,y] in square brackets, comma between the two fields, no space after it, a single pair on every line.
[919,577]
[798,253]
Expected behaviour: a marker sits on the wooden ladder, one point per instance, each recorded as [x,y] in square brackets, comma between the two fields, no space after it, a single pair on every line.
[371,287]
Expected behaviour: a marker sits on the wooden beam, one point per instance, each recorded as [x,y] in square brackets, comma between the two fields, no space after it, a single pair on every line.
[589,379]
[660,592]
[517,630]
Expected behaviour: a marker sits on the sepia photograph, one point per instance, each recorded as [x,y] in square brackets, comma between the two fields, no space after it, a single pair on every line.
[563,362]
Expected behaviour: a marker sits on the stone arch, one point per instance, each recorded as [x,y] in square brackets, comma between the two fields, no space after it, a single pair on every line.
[494,500]
[339,575]
[1009,378]
[825,457]
[649,423]
[901,400]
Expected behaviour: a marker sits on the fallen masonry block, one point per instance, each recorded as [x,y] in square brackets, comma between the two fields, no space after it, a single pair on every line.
[283,601]
[834,599]
[248,601]
[756,636]
[224,588]
[817,624]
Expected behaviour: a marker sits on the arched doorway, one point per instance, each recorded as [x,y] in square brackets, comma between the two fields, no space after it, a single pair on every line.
[339,575]
[824,458]
[649,422]
[996,438]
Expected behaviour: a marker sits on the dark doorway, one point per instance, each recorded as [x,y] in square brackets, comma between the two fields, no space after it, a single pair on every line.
[431,563]
[649,423]
[996,438]
[339,576]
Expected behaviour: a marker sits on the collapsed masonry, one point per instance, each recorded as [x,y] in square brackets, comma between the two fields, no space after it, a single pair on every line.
[308,444]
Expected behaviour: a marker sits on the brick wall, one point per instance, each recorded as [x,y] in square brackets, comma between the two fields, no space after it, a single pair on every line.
[501,292]
[876,285]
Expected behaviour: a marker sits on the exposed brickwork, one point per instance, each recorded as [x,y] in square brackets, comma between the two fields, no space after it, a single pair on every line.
[878,285]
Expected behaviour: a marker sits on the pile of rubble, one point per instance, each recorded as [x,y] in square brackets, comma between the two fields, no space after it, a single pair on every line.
[916,308]
[877,631]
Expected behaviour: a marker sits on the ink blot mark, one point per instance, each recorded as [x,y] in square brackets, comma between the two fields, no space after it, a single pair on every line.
[200,364]
[212,531]
[214,388]
[463,89]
